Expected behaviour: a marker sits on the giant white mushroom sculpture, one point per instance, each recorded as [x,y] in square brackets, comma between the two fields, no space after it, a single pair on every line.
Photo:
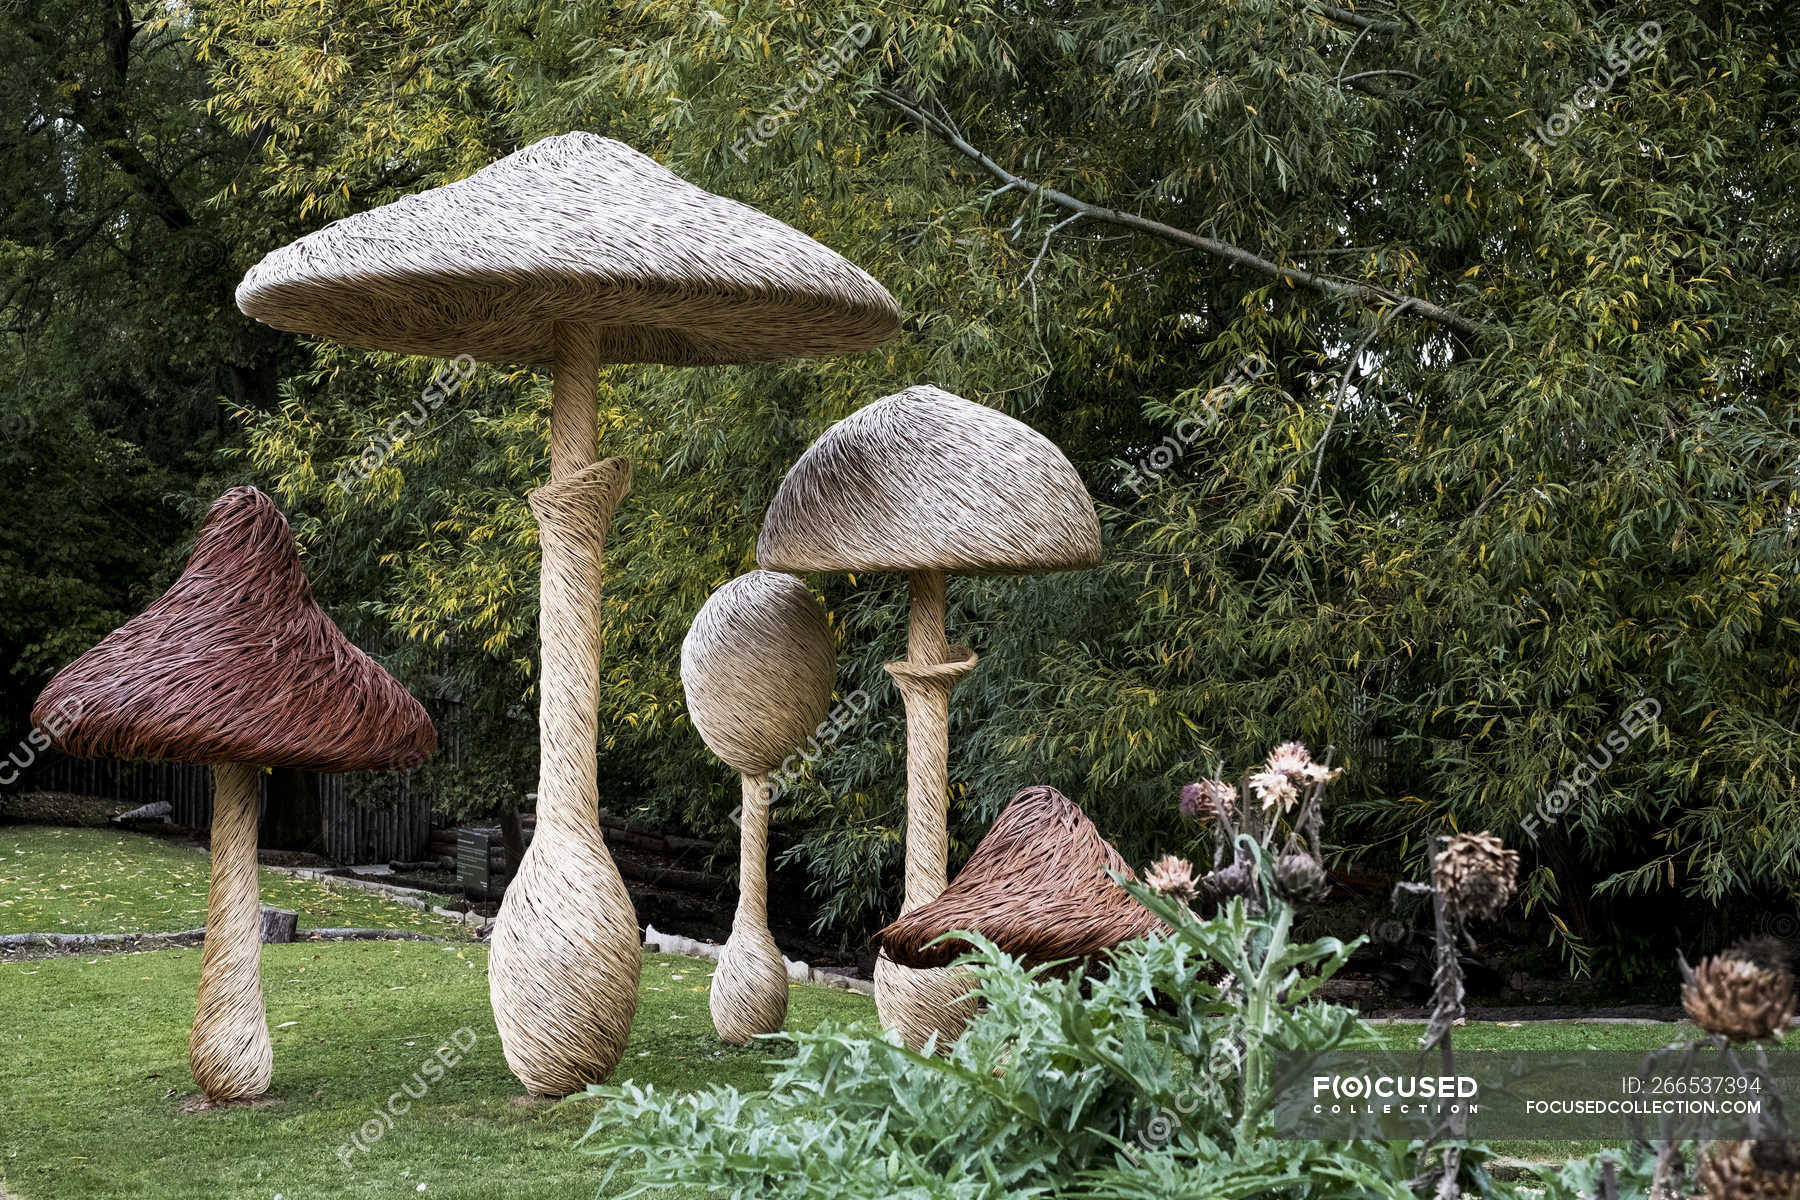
[757,666]
[238,667]
[576,251]
[926,483]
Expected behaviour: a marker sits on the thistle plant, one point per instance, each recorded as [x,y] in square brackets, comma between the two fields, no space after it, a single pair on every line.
[1266,828]
[1473,877]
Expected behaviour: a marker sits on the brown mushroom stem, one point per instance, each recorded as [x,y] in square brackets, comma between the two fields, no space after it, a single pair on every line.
[229,1047]
[921,1003]
[563,971]
[750,988]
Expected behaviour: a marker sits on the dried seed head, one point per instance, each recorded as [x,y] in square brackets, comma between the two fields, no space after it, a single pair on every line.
[1172,876]
[1750,1171]
[1738,999]
[1476,874]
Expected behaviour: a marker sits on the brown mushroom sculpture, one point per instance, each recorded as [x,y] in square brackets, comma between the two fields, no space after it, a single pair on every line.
[757,666]
[237,666]
[576,251]
[926,483]
[1039,886]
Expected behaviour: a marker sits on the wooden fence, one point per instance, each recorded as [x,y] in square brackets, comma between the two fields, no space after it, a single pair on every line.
[363,818]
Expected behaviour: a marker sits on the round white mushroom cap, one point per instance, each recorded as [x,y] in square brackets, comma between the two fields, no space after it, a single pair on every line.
[926,480]
[579,229]
[757,666]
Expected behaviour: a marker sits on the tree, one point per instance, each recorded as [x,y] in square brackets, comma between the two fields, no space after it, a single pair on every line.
[1417,430]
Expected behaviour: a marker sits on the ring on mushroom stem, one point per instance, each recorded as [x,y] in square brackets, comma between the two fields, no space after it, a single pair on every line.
[927,483]
[576,251]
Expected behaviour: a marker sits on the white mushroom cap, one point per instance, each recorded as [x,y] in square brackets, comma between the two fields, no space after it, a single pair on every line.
[579,229]
[925,480]
[757,665]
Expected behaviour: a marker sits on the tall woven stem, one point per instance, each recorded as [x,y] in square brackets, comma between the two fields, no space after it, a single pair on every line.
[563,971]
[750,988]
[919,1003]
[229,1047]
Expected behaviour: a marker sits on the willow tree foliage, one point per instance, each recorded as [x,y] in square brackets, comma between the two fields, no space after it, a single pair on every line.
[1432,364]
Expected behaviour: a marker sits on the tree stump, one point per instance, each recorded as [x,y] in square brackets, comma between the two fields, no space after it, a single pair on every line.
[278,925]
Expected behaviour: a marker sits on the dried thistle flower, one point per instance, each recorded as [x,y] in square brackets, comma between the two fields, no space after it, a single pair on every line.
[1289,758]
[1275,790]
[1299,877]
[1476,874]
[1739,999]
[1319,773]
[1751,1171]
[1208,799]
[1172,876]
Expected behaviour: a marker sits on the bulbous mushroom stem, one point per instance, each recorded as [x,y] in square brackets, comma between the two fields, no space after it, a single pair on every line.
[229,1048]
[563,970]
[913,1002]
[750,988]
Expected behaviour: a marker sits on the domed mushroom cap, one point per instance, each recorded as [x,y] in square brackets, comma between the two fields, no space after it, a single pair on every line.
[1036,886]
[757,665]
[236,663]
[581,229]
[925,480]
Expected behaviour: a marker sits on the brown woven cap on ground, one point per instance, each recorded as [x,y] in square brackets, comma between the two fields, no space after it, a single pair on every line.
[579,229]
[1036,886]
[236,663]
[926,480]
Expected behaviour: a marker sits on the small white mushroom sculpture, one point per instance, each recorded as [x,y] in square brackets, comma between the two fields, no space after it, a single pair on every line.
[925,482]
[757,666]
[577,252]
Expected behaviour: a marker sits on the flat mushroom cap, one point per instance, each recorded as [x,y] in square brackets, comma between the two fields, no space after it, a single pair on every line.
[579,229]
[236,663]
[925,480]
[757,665]
[1036,886]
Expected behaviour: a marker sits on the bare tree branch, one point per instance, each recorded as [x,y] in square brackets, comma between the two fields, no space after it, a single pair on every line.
[1337,406]
[1345,16]
[1365,293]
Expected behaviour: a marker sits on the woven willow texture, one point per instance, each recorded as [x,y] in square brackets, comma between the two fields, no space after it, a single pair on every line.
[750,987]
[925,480]
[566,953]
[921,1005]
[757,666]
[228,1047]
[236,663]
[579,229]
[1037,886]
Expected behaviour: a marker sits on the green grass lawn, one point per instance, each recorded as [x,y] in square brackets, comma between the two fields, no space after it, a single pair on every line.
[95,1070]
[55,880]
[93,1049]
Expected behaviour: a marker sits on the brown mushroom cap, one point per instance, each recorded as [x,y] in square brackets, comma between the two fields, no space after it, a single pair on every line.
[1036,886]
[236,663]
[926,480]
[757,665]
[578,229]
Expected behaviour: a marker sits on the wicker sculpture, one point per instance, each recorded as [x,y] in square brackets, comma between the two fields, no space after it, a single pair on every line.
[1037,886]
[925,483]
[238,667]
[757,666]
[576,251]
